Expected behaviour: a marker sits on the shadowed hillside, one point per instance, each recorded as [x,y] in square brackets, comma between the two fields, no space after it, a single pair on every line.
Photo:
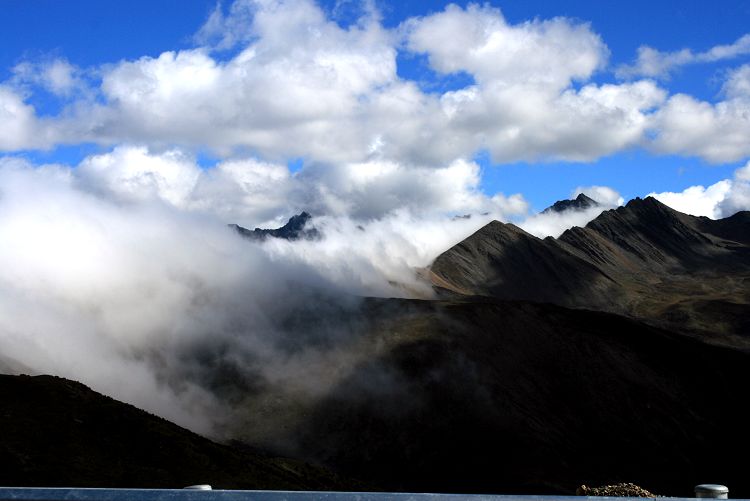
[57,432]
[517,397]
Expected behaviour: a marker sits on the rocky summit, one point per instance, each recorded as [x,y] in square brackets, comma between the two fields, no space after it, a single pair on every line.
[298,227]
[581,202]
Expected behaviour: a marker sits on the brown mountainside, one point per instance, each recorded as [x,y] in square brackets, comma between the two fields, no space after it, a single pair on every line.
[643,260]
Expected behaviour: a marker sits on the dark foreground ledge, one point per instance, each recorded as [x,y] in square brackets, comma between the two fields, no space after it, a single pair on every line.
[60,494]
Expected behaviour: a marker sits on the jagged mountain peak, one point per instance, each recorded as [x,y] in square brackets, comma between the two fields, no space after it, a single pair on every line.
[640,212]
[295,229]
[495,227]
[581,202]
[648,203]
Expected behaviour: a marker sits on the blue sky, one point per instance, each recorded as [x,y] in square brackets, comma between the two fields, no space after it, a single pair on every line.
[95,36]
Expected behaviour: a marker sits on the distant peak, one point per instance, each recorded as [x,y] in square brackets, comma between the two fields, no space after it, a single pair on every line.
[295,229]
[648,203]
[581,202]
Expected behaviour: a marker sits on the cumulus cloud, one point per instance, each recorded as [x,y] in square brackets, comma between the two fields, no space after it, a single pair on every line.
[721,199]
[57,76]
[717,132]
[738,197]
[372,189]
[653,63]
[19,126]
[300,85]
[333,95]
[523,105]
[478,40]
[132,173]
[250,192]
[697,200]
[299,89]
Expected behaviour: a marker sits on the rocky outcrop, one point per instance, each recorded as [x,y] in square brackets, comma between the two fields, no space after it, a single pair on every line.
[296,228]
[581,202]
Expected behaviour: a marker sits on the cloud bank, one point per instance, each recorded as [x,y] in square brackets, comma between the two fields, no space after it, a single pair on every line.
[299,85]
[280,80]
[121,271]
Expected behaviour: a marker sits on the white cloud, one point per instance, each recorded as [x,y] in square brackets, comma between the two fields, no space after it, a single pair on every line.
[247,192]
[57,76]
[478,40]
[19,127]
[300,85]
[697,200]
[738,198]
[601,194]
[716,132]
[523,106]
[250,192]
[299,89]
[372,189]
[722,199]
[653,63]
[737,85]
[131,173]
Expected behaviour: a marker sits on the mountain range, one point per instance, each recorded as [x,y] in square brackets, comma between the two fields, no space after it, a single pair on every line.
[617,352]
[643,260]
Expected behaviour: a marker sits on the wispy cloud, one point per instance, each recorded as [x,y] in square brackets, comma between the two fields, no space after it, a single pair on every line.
[653,63]
[57,76]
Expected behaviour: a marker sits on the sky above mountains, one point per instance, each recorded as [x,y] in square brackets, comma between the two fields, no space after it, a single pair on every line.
[366,107]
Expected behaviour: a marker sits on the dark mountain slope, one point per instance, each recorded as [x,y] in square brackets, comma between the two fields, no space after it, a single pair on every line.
[733,228]
[644,260]
[503,261]
[56,432]
[656,238]
[521,397]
